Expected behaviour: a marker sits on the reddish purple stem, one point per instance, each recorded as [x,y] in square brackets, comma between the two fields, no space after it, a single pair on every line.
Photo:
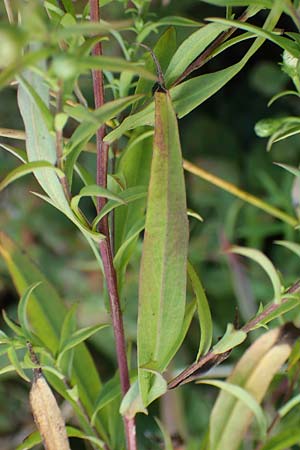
[105,245]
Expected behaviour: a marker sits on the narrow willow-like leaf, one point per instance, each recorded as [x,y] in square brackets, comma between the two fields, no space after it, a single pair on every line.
[40,144]
[293,170]
[22,309]
[266,264]
[286,306]
[192,47]
[91,191]
[284,43]
[247,399]
[287,438]
[288,406]
[232,338]
[162,288]
[128,196]
[192,93]
[79,336]
[35,438]
[295,248]
[17,152]
[261,3]
[90,123]
[46,313]
[254,373]
[27,168]
[167,438]
[204,314]
[13,358]
[110,63]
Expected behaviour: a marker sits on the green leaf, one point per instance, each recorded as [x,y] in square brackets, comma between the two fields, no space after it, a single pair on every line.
[44,110]
[93,191]
[110,391]
[204,315]
[291,301]
[163,50]
[129,238]
[282,94]
[25,169]
[167,438]
[261,3]
[78,337]
[192,47]
[28,59]
[295,248]
[86,63]
[46,313]
[35,438]
[132,402]
[232,338]
[22,309]
[285,439]
[284,43]
[40,144]
[20,154]
[246,398]
[12,325]
[192,93]
[266,264]
[13,357]
[294,170]
[162,288]
[288,406]
[128,196]
[178,21]
[91,122]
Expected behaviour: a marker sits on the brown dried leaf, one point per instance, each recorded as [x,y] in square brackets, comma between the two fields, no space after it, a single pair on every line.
[47,415]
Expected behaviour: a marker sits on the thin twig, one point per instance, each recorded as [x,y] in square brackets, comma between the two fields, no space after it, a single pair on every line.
[105,247]
[239,193]
[208,53]
[212,359]
[9,11]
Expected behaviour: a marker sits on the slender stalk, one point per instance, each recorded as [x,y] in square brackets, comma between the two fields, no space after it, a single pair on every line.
[209,52]
[232,189]
[212,359]
[9,11]
[105,245]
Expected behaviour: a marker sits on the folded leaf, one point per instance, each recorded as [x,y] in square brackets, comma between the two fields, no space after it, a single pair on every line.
[162,288]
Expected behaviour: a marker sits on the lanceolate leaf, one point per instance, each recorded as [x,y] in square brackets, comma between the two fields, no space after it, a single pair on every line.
[46,312]
[89,126]
[245,397]
[284,43]
[190,49]
[40,144]
[266,264]
[27,168]
[204,315]
[190,94]
[162,287]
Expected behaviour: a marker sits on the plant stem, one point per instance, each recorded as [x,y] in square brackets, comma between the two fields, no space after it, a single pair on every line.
[105,246]
[212,359]
[232,189]
[209,52]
